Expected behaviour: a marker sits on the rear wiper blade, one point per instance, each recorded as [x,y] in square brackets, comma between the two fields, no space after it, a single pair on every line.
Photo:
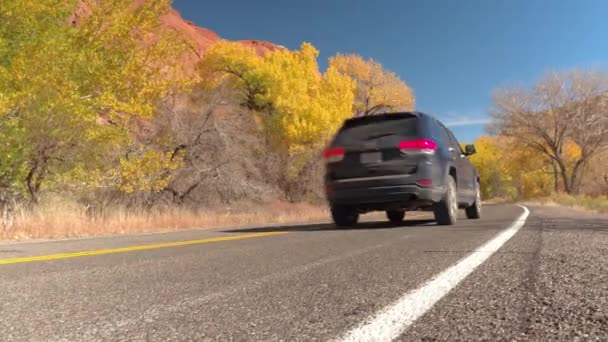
[379,136]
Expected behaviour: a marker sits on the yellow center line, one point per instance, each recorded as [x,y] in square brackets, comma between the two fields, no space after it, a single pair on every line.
[132,248]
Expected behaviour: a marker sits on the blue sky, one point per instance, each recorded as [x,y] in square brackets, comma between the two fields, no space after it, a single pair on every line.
[454,54]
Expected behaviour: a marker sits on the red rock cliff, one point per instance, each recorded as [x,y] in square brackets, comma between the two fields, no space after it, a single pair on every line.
[200,37]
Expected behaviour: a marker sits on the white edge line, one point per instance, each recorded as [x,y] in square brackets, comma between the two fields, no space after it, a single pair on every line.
[393,320]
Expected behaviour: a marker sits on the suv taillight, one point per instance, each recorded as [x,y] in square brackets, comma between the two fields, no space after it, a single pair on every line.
[332,155]
[426,146]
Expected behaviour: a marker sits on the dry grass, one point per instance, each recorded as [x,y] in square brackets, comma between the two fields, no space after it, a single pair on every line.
[70,221]
[594,204]
[497,200]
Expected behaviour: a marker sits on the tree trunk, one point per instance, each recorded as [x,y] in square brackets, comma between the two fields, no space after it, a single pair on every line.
[32,187]
[34,180]
[555,177]
[564,174]
[576,175]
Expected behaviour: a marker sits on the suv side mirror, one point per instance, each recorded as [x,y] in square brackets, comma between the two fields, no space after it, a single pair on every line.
[469,150]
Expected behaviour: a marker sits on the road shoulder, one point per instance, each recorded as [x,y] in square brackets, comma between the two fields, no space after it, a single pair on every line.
[547,283]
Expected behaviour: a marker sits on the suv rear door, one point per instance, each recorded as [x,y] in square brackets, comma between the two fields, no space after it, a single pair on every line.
[371,146]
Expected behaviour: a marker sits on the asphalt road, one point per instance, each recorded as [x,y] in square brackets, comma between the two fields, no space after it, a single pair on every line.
[316,282]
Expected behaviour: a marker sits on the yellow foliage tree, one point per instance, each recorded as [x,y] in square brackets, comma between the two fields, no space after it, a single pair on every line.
[68,93]
[299,106]
[509,169]
[146,171]
[310,106]
[378,90]
[489,164]
[528,170]
[239,65]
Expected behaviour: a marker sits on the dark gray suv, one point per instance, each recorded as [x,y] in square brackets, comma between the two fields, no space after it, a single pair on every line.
[397,162]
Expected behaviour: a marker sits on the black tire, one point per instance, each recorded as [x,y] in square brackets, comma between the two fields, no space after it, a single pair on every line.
[446,211]
[344,216]
[395,216]
[474,210]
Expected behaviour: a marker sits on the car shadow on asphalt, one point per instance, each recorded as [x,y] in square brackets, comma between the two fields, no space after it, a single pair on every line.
[332,227]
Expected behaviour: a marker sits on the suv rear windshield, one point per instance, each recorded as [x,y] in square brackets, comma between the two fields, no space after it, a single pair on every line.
[379,126]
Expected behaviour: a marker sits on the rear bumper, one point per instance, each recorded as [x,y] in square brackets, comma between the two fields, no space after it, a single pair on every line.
[382,193]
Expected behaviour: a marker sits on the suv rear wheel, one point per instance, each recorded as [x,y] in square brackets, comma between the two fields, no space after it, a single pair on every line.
[344,216]
[474,211]
[395,216]
[446,211]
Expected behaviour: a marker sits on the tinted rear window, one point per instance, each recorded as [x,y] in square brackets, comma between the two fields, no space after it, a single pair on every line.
[374,127]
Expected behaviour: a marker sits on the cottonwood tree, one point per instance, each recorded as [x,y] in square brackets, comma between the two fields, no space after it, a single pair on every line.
[297,104]
[509,169]
[562,108]
[69,91]
[237,65]
[378,90]
[298,107]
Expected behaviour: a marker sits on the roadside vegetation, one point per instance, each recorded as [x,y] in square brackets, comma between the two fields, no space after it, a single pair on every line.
[597,204]
[67,219]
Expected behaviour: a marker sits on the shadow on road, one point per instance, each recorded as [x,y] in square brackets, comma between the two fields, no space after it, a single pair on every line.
[331,227]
